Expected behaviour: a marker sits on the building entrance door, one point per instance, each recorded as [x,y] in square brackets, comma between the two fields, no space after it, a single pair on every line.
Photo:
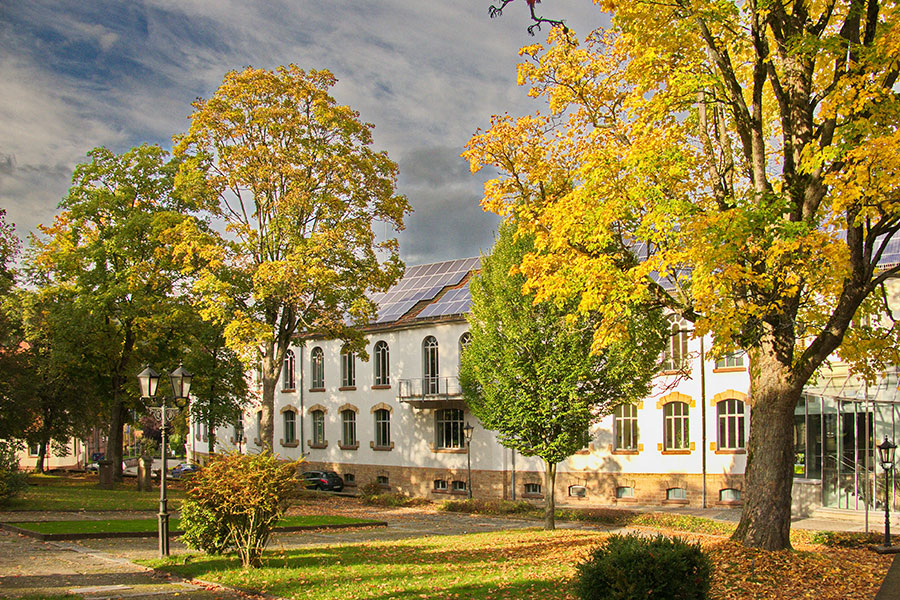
[848,455]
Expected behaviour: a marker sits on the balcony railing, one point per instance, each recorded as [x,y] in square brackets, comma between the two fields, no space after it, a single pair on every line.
[423,391]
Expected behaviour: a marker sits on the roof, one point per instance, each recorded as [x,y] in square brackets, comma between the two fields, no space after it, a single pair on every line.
[427,292]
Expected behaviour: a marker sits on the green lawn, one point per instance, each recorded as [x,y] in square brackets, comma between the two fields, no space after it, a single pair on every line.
[55,492]
[142,525]
[509,564]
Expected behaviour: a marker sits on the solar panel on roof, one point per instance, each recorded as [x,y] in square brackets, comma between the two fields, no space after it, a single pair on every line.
[421,282]
[454,302]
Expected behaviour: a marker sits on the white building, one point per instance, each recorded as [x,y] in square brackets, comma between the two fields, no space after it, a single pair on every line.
[398,419]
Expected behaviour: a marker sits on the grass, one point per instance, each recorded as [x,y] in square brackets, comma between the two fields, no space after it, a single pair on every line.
[522,564]
[144,525]
[58,492]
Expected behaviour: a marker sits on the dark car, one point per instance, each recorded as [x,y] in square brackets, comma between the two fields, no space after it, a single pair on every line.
[323,480]
[182,469]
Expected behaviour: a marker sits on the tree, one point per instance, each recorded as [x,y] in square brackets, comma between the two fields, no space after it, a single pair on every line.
[294,178]
[741,159]
[110,252]
[10,332]
[529,373]
[55,394]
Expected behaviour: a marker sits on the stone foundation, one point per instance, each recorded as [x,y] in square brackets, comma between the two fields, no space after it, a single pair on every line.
[645,489]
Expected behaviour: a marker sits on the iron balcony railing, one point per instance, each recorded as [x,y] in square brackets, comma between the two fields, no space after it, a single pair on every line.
[429,389]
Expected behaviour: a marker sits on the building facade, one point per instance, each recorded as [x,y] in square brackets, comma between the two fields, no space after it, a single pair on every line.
[398,419]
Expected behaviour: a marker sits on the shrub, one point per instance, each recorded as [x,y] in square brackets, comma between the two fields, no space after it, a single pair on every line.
[393,499]
[244,495]
[846,539]
[12,481]
[632,567]
[202,529]
[491,507]
[373,488]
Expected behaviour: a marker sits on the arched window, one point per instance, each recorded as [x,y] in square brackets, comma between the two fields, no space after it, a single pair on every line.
[290,427]
[382,364]
[464,340]
[675,431]
[348,368]
[625,427]
[318,428]
[430,370]
[382,428]
[287,371]
[348,423]
[677,349]
[317,360]
[731,424]
[448,423]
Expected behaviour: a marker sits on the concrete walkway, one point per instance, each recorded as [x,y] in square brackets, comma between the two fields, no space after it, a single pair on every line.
[101,569]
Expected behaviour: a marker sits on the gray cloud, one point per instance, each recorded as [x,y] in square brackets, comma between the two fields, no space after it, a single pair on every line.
[427,74]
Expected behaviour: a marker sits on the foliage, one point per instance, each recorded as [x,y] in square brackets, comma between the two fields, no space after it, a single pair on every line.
[393,499]
[732,162]
[10,334]
[245,495]
[109,254]
[12,481]
[373,488]
[632,567]
[293,176]
[202,529]
[847,539]
[487,507]
[529,373]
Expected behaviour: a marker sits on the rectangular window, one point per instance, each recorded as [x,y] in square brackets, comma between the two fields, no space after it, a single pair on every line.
[624,491]
[318,427]
[348,369]
[290,435]
[732,361]
[625,427]
[449,428]
[676,494]
[676,431]
[533,489]
[382,428]
[383,481]
[459,486]
[731,424]
[440,485]
[33,449]
[348,418]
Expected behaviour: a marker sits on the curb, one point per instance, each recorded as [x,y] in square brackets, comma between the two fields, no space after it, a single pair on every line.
[100,535]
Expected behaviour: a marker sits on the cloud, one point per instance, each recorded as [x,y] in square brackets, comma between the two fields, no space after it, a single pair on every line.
[427,74]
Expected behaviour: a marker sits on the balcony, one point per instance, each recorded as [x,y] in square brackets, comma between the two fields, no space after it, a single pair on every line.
[429,392]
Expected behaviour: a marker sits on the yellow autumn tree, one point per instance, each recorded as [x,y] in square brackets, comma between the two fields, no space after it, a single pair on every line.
[734,162]
[292,175]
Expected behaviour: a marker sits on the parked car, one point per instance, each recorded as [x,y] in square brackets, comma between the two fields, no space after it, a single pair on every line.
[323,480]
[182,469]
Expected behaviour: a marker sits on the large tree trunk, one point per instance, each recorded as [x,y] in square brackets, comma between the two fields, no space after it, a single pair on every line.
[766,516]
[550,495]
[270,379]
[114,450]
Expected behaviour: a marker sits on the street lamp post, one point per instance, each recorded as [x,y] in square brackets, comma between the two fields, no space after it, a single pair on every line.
[886,457]
[180,380]
[467,430]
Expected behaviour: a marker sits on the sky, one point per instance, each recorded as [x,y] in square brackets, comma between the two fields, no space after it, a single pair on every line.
[80,74]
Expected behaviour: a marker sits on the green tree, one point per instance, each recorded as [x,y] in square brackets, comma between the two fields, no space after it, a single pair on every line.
[529,373]
[109,251]
[740,159]
[10,332]
[293,176]
[55,394]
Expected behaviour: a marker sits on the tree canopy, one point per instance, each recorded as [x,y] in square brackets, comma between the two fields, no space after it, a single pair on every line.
[293,176]
[528,372]
[733,162]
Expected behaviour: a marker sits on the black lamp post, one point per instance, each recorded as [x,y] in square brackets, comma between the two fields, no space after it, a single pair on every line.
[467,430]
[180,379]
[886,457]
